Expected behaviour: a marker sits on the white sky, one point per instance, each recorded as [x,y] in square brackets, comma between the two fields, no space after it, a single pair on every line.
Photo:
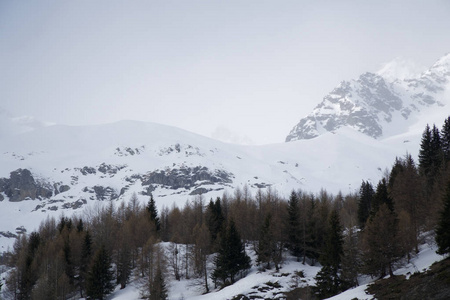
[243,70]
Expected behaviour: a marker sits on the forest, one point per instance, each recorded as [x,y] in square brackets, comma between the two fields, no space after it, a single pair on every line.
[371,232]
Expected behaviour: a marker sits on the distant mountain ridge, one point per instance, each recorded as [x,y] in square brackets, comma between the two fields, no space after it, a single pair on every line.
[371,103]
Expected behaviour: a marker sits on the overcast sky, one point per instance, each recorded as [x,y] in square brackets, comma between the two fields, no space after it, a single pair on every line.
[247,70]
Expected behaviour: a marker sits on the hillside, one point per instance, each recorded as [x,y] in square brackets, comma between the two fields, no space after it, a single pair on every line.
[293,280]
[70,168]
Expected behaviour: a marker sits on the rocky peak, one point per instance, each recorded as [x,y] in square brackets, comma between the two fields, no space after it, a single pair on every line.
[370,103]
[357,103]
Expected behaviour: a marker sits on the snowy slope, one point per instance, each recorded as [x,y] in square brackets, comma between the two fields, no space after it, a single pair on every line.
[84,166]
[271,285]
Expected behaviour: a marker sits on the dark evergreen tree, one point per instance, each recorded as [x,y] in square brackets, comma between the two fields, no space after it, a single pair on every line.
[397,169]
[293,226]
[158,289]
[28,273]
[151,208]
[325,283]
[100,276]
[231,259]
[366,194]
[381,244]
[406,189]
[436,148]
[382,196]
[425,153]
[445,139]
[80,226]
[443,226]
[334,242]
[328,281]
[215,219]
[69,267]
[312,237]
[65,223]
[430,156]
[85,259]
[266,244]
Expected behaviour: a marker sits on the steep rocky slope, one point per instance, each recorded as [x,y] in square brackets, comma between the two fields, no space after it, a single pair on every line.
[375,104]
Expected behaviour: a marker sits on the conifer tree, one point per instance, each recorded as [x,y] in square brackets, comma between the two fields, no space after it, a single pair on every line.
[85,259]
[313,236]
[231,258]
[425,153]
[215,219]
[445,139]
[266,244]
[27,265]
[158,289]
[99,281]
[430,155]
[366,194]
[382,196]
[381,244]
[443,226]
[406,189]
[328,281]
[80,226]
[293,225]
[436,148]
[151,208]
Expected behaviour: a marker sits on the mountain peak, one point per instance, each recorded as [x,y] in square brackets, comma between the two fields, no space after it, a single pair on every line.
[441,68]
[372,102]
[400,68]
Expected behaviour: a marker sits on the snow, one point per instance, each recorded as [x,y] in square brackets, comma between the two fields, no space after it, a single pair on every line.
[335,161]
[255,281]
[400,68]
[421,262]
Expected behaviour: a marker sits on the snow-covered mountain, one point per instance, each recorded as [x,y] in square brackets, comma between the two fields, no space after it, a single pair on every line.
[50,170]
[59,169]
[379,104]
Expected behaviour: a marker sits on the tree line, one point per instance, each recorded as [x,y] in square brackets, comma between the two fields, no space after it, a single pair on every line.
[367,232]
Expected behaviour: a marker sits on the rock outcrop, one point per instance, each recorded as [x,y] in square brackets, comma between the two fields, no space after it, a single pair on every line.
[21,185]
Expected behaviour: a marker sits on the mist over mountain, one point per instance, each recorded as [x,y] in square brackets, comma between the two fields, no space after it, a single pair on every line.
[380,104]
[353,134]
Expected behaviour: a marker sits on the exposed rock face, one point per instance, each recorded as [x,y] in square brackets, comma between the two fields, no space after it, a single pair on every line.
[361,104]
[370,102]
[58,188]
[102,193]
[103,168]
[88,170]
[21,185]
[109,169]
[186,177]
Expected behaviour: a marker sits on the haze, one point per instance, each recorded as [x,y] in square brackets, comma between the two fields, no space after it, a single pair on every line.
[239,71]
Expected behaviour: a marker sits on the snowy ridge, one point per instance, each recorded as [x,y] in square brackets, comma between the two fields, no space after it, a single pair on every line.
[374,103]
